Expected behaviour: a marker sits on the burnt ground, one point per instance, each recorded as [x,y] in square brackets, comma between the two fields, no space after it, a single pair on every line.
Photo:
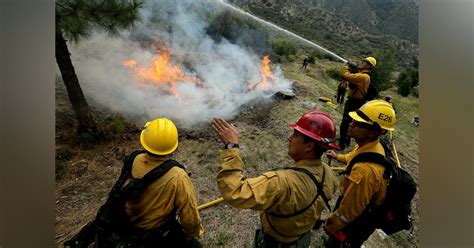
[85,174]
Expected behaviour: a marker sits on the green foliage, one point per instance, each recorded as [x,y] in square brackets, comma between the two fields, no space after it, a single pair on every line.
[381,76]
[77,18]
[328,57]
[334,73]
[404,84]
[239,30]
[117,125]
[222,238]
[406,81]
[284,47]
[311,59]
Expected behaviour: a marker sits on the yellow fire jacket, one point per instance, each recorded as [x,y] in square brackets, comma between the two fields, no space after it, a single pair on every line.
[173,191]
[366,182]
[278,192]
[361,80]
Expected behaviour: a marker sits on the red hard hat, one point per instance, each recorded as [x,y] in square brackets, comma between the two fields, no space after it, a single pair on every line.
[318,126]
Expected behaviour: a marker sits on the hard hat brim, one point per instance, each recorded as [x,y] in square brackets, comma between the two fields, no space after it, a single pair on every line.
[356,117]
[314,136]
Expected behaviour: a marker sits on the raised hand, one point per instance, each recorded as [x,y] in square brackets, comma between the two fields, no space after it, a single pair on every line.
[226,132]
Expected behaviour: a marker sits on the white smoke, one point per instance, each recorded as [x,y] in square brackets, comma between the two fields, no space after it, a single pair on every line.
[224,68]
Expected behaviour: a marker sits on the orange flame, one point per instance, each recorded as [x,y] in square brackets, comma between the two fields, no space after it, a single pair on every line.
[162,72]
[267,79]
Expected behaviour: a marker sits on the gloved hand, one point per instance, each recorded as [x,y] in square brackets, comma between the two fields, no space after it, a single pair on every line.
[351,64]
[340,236]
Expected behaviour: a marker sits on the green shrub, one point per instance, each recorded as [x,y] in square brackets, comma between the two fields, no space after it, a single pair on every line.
[222,238]
[406,81]
[118,125]
[328,57]
[334,73]
[284,48]
[404,84]
[381,76]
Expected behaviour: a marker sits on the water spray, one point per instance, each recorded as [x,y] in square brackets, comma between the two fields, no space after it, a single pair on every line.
[282,29]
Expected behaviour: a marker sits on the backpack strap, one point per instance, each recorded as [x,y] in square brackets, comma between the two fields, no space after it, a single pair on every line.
[377,158]
[139,185]
[126,170]
[319,188]
[320,191]
[319,185]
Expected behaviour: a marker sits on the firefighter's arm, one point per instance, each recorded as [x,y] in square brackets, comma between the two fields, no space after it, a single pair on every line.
[356,198]
[186,205]
[354,78]
[339,157]
[257,193]
[342,158]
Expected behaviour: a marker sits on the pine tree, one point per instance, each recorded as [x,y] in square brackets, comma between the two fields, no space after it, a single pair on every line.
[381,76]
[75,20]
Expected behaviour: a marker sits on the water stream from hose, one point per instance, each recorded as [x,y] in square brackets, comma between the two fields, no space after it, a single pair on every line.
[282,29]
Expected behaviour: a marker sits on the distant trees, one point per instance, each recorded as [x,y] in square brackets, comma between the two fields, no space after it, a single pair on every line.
[381,76]
[75,19]
[239,30]
[284,48]
[408,79]
[334,73]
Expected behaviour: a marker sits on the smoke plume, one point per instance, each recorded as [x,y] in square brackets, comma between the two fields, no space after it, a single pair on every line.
[179,27]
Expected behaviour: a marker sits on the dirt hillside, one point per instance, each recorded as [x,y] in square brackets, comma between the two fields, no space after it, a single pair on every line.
[86,174]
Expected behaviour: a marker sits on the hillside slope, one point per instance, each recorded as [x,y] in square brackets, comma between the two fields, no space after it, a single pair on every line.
[86,174]
[328,29]
[392,17]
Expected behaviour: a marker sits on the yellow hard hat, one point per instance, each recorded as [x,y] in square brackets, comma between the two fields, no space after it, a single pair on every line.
[371,61]
[159,136]
[376,111]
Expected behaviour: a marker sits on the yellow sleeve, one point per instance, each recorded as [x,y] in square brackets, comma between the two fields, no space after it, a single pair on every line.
[342,158]
[359,192]
[355,78]
[186,206]
[257,193]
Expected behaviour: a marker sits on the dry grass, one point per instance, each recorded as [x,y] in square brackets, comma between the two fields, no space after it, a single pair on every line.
[89,173]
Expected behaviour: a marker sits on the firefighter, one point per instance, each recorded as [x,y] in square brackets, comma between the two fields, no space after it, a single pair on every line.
[341,91]
[389,99]
[348,226]
[305,62]
[358,85]
[289,201]
[168,197]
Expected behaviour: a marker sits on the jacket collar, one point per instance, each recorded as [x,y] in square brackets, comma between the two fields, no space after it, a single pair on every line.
[373,146]
[308,163]
[154,158]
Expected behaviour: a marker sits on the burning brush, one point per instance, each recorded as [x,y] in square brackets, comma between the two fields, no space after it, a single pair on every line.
[267,79]
[162,73]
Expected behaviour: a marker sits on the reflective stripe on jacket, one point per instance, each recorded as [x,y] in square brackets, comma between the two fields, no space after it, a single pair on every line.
[365,184]
[172,192]
[278,192]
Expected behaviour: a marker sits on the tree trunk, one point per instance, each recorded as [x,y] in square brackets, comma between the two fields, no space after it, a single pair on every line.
[76,96]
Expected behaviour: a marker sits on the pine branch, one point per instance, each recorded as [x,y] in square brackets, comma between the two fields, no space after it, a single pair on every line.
[76,18]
